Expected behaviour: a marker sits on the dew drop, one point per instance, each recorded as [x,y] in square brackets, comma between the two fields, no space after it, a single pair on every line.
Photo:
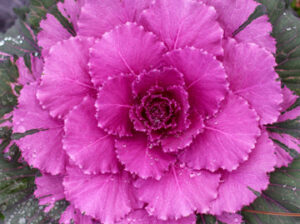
[21,129]
[192,175]
[22,221]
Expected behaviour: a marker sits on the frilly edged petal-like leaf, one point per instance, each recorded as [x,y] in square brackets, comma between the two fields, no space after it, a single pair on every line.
[250,175]
[110,56]
[180,95]
[113,105]
[251,74]
[25,75]
[65,75]
[74,216]
[106,197]
[232,14]
[49,190]
[285,132]
[280,202]
[41,150]
[174,21]
[52,32]
[164,78]
[258,32]
[228,137]
[71,9]
[204,76]
[185,138]
[141,159]
[98,17]
[178,193]
[142,217]
[90,147]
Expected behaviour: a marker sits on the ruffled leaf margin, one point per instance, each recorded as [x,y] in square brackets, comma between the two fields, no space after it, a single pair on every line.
[280,203]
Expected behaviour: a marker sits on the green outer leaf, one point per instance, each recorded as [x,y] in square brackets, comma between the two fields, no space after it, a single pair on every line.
[38,9]
[17,202]
[275,8]
[207,219]
[286,30]
[292,152]
[296,104]
[16,182]
[8,75]
[18,40]
[29,211]
[17,136]
[294,6]
[290,127]
[27,61]
[283,195]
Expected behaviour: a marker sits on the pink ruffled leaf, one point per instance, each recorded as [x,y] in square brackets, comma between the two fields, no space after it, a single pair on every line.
[98,17]
[235,14]
[286,148]
[106,197]
[288,99]
[49,190]
[174,22]
[282,195]
[286,136]
[87,145]
[160,78]
[71,9]
[175,142]
[204,76]
[251,75]
[141,159]
[42,150]
[181,23]
[142,217]
[227,139]
[252,174]
[284,132]
[258,32]
[111,57]
[73,216]
[25,75]
[230,218]
[66,80]
[232,14]
[52,32]
[179,94]
[113,105]
[178,193]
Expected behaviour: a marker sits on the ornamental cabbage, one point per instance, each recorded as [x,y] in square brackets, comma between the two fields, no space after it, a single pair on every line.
[153,111]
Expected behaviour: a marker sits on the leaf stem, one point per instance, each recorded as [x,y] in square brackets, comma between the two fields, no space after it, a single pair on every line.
[273,213]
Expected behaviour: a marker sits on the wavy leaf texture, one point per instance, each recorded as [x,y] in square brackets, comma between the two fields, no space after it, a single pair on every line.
[280,203]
